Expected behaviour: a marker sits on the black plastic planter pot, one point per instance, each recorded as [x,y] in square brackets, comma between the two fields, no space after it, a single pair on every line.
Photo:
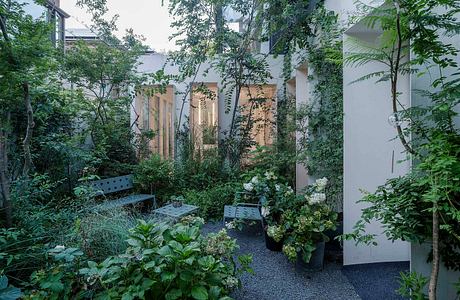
[316,261]
[271,244]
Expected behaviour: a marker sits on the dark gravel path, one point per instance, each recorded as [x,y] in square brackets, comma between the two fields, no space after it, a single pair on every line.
[365,277]
[277,279]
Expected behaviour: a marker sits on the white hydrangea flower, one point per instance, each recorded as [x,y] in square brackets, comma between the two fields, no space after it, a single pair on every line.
[255,180]
[289,191]
[248,186]
[321,183]
[270,175]
[265,211]
[230,225]
[316,198]
[277,187]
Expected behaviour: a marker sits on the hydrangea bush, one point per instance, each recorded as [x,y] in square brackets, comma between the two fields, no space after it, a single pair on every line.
[304,221]
[270,193]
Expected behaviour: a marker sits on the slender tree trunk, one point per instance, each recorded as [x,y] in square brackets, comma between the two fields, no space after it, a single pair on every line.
[394,81]
[30,125]
[235,109]
[5,207]
[436,257]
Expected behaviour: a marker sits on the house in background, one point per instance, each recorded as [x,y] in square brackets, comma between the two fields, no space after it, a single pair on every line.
[54,14]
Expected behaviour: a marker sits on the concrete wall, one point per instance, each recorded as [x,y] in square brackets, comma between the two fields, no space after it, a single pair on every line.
[370,151]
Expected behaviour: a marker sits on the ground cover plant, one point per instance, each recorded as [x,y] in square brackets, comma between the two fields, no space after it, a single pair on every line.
[163,261]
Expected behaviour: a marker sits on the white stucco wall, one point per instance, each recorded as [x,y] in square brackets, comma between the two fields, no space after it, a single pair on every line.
[371,152]
[153,62]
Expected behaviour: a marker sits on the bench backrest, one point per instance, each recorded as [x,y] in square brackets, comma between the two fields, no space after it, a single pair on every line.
[112,185]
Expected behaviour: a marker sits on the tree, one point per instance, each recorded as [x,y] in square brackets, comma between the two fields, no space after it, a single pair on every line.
[204,36]
[422,27]
[27,65]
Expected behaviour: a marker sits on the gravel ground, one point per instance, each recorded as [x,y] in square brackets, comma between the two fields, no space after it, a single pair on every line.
[364,277]
[276,278]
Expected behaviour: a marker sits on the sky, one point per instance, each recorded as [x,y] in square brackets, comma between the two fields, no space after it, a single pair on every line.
[146,17]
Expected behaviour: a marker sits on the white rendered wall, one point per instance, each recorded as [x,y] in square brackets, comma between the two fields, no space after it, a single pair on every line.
[153,62]
[370,153]
[302,94]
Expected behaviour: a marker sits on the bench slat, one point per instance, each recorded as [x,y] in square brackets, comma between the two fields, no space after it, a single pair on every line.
[125,201]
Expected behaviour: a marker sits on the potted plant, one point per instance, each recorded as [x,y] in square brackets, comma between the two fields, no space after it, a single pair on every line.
[273,197]
[177,201]
[304,225]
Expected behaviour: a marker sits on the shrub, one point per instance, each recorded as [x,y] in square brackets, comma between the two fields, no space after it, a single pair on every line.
[155,175]
[162,262]
[212,200]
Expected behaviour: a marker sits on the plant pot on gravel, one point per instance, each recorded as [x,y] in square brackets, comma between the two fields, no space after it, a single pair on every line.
[271,244]
[333,244]
[316,262]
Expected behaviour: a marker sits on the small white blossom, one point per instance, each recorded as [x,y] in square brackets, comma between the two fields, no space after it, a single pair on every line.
[248,186]
[321,183]
[265,211]
[316,198]
[277,187]
[289,191]
[230,225]
[270,175]
[255,180]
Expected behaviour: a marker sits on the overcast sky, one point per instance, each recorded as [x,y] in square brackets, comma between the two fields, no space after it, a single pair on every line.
[146,17]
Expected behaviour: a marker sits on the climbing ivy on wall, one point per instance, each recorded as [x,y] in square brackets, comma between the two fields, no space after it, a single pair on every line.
[321,120]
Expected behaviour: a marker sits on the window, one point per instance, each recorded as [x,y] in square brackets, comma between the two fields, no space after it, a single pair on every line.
[204,115]
[257,104]
[157,114]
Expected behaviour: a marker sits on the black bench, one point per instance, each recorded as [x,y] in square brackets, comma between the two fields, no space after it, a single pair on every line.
[117,184]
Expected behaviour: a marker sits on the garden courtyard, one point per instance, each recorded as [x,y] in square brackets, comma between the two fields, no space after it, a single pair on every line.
[229,149]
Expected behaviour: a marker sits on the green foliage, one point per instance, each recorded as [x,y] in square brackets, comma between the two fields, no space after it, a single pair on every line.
[304,221]
[155,175]
[102,234]
[211,201]
[404,205]
[8,292]
[321,120]
[412,285]
[162,262]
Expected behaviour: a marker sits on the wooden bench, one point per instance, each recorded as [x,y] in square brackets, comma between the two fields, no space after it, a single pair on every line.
[117,184]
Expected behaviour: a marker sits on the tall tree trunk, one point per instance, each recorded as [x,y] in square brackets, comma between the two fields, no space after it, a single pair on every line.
[30,125]
[394,80]
[436,257]
[5,204]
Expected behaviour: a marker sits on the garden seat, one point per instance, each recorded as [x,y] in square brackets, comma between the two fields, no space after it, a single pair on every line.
[242,211]
[118,184]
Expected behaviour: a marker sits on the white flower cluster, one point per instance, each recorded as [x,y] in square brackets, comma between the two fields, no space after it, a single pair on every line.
[289,191]
[265,211]
[277,187]
[248,186]
[230,225]
[315,198]
[270,175]
[321,183]
[255,180]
